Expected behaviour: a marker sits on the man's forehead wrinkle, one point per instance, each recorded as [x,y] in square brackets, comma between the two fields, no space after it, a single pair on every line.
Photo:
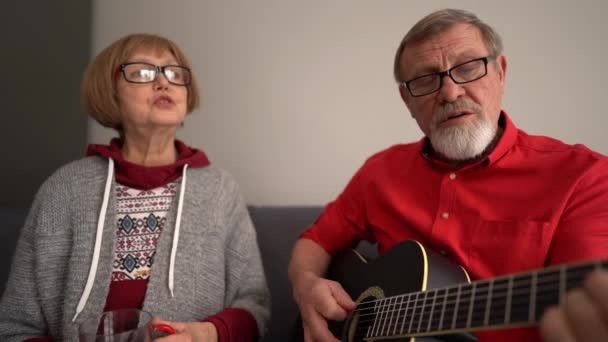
[452,46]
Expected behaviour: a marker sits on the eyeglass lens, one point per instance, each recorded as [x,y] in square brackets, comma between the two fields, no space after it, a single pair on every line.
[463,73]
[144,73]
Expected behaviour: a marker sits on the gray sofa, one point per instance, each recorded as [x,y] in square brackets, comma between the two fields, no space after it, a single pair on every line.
[278,228]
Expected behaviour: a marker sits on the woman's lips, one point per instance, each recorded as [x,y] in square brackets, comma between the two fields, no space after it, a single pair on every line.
[164,102]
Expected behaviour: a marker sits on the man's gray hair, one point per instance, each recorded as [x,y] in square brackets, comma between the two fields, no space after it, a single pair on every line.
[441,21]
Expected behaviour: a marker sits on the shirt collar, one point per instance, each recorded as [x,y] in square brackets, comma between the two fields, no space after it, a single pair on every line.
[506,142]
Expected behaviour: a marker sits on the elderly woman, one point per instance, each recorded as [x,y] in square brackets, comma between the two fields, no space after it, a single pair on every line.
[144,222]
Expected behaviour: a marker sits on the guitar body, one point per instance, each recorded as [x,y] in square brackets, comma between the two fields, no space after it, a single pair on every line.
[408,267]
[414,294]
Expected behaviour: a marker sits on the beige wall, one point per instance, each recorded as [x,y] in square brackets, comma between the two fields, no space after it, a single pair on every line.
[296,94]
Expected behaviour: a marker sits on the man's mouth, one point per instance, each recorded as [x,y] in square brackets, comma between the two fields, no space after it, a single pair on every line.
[455,116]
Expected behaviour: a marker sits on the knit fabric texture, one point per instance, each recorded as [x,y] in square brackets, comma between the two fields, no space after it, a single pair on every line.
[218,263]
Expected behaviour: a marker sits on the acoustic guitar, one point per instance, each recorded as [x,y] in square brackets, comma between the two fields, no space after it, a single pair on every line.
[414,293]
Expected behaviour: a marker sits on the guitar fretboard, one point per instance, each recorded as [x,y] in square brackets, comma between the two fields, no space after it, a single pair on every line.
[515,300]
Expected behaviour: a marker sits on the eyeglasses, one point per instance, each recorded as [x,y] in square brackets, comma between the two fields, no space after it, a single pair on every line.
[462,73]
[145,73]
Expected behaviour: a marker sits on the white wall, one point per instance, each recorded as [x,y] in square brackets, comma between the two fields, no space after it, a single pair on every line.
[296,94]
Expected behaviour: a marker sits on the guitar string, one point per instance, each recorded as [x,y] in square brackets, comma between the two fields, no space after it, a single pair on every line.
[465,288]
[542,289]
[424,318]
[574,274]
[439,299]
[426,324]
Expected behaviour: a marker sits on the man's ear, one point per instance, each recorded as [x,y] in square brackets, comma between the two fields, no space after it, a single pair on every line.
[501,68]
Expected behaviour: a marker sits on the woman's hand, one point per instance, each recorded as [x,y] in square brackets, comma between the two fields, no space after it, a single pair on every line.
[188,331]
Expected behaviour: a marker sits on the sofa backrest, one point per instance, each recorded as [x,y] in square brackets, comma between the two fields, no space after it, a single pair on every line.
[11,220]
[278,228]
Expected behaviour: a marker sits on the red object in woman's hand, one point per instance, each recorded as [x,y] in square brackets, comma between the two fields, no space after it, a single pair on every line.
[160,330]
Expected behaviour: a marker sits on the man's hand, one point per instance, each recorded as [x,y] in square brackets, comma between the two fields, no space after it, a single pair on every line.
[583,316]
[320,299]
[189,332]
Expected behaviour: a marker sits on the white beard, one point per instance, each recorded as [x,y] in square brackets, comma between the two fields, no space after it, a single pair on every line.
[462,142]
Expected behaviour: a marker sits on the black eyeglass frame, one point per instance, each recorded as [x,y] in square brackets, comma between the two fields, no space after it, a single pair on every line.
[448,72]
[159,69]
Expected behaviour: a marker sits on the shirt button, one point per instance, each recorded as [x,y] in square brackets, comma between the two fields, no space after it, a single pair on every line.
[452,176]
[445,215]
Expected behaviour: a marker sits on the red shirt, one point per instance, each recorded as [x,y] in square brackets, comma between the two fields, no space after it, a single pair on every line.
[533,201]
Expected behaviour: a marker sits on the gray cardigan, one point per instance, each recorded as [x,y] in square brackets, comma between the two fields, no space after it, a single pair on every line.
[217,265]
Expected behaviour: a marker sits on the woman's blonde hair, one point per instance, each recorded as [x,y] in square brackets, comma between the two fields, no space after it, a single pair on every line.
[98,90]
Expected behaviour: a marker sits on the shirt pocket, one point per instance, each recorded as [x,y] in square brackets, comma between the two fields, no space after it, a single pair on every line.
[508,246]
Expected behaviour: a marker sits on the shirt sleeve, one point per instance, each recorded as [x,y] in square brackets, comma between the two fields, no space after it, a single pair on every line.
[234,325]
[246,287]
[343,222]
[582,232]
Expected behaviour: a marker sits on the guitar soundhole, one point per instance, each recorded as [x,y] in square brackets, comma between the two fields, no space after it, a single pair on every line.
[357,323]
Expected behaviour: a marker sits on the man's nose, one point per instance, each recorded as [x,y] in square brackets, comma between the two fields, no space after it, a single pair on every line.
[450,90]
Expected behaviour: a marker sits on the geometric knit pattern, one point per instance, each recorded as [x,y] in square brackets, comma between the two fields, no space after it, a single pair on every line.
[141,217]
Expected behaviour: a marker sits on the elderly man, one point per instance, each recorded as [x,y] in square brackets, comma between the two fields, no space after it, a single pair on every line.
[476,188]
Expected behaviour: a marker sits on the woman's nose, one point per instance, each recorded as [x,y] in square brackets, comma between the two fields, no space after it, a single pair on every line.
[161,81]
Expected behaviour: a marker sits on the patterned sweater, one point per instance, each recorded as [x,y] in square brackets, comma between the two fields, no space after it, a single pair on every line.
[217,265]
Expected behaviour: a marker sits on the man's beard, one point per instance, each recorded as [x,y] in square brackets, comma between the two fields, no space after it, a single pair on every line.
[464,141]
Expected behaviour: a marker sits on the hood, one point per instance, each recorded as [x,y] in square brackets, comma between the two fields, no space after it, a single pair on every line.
[148,177]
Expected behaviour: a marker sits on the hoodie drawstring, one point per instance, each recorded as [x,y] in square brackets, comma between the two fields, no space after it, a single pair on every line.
[100,223]
[178,222]
[98,237]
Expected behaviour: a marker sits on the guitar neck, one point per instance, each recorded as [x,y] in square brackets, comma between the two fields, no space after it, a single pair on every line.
[515,300]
